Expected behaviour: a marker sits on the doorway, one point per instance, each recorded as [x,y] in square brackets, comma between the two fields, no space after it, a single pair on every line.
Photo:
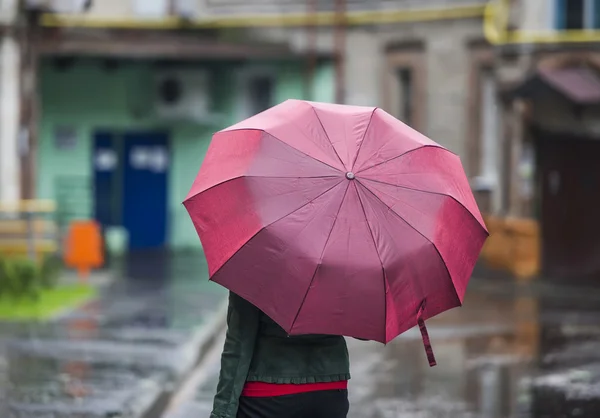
[569,180]
[130,185]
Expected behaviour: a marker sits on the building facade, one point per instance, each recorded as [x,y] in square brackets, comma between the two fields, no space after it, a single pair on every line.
[122,113]
[546,67]
[103,126]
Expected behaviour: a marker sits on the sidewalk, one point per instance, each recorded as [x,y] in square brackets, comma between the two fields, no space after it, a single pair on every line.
[515,349]
[196,398]
[121,355]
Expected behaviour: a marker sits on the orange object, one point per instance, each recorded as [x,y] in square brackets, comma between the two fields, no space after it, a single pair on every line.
[83,247]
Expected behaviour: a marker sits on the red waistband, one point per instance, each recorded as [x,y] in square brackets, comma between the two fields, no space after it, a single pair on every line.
[265,390]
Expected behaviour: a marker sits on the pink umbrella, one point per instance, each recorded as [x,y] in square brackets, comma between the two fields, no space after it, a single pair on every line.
[337,220]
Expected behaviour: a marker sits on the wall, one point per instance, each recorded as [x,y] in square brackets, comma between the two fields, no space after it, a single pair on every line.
[447,67]
[9,103]
[536,15]
[109,8]
[8,11]
[87,97]
[554,113]
[9,118]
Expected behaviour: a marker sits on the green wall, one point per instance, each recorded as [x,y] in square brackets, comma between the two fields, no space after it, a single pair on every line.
[86,97]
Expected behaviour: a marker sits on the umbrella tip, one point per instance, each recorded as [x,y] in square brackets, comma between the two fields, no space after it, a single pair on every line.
[350,175]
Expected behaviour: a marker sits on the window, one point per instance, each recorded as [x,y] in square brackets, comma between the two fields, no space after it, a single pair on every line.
[257,88]
[574,14]
[405,83]
[404,90]
[489,128]
[260,89]
[577,14]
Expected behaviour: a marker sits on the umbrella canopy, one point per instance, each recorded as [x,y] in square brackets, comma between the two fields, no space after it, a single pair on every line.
[337,219]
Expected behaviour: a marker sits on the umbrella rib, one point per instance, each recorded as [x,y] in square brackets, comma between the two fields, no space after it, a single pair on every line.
[420,233]
[320,258]
[271,223]
[286,144]
[327,136]
[255,177]
[363,138]
[385,282]
[402,155]
[428,192]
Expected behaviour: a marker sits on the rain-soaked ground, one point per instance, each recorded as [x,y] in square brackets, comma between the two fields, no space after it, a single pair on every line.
[512,351]
[115,356]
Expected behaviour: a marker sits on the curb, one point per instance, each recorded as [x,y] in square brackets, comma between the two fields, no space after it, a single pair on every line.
[186,395]
[196,351]
[211,331]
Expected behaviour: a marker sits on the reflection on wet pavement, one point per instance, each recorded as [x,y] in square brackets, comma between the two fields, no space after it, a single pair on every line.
[113,357]
[521,353]
[512,351]
[528,351]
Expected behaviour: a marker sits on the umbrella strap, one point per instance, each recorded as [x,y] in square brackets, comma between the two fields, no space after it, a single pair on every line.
[425,336]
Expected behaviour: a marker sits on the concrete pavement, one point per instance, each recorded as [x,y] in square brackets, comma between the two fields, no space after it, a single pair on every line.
[522,351]
[123,355]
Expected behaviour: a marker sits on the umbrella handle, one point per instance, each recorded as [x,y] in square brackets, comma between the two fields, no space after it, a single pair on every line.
[425,336]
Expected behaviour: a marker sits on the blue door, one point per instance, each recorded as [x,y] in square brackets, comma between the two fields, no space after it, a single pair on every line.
[144,198]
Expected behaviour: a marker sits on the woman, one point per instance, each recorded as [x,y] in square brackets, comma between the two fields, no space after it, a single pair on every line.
[265,373]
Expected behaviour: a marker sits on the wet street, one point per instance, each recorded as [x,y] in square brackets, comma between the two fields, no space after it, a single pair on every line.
[117,356]
[522,351]
[530,351]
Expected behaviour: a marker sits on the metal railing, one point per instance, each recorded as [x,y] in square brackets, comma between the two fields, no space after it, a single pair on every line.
[28,227]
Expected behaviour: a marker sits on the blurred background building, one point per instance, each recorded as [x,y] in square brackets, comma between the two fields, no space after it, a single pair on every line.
[546,75]
[108,106]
